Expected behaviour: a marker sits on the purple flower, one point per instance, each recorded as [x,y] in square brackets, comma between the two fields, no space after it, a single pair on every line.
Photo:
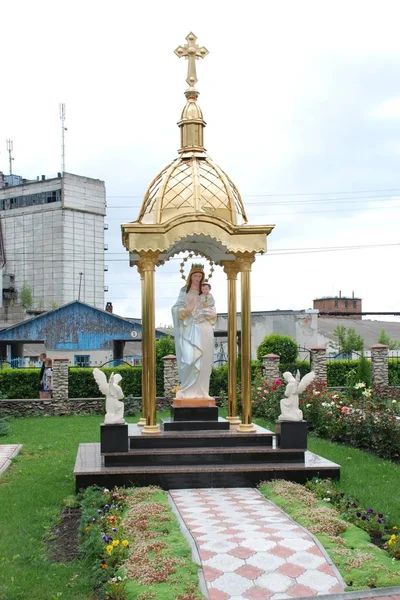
[113,530]
[358,514]
[99,512]
[369,511]
[104,538]
[109,539]
[380,515]
[106,507]
[379,521]
[93,520]
[363,518]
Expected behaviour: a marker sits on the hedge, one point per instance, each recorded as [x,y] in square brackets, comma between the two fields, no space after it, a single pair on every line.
[82,384]
[19,383]
[394,371]
[24,383]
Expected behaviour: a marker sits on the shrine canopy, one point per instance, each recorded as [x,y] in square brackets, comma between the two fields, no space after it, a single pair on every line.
[192,205]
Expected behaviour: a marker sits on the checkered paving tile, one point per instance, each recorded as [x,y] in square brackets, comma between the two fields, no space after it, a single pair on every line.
[251,550]
[7,451]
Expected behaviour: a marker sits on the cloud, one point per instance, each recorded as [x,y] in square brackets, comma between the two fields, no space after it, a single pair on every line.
[389,109]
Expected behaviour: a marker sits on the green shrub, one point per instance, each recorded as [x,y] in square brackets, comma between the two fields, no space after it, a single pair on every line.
[82,384]
[364,370]
[20,383]
[4,427]
[219,381]
[337,371]
[219,377]
[302,366]
[283,345]
[266,397]
[394,371]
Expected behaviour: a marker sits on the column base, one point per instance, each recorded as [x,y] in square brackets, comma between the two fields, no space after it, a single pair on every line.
[233,420]
[141,422]
[151,429]
[246,428]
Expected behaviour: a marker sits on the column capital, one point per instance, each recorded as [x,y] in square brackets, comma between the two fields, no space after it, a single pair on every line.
[231,268]
[147,261]
[245,260]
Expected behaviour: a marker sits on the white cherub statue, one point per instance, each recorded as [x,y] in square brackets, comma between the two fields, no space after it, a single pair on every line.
[290,404]
[113,394]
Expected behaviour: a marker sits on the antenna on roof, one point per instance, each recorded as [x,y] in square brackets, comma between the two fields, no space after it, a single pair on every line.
[10,145]
[63,130]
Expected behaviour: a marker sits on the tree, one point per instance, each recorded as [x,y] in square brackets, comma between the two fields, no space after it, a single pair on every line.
[348,340]
[388,341]
[25,296]
[164,346]
[283,345]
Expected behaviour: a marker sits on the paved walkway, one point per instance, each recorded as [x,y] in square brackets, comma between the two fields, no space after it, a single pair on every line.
[7,452]
[252,550]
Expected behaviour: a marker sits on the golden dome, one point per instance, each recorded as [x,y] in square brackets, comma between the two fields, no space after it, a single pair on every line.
[192,185]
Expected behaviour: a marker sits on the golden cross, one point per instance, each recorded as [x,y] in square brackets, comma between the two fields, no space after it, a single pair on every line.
[192,52]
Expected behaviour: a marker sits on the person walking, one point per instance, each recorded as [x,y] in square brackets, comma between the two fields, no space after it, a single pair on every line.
[42,358]
[48,378]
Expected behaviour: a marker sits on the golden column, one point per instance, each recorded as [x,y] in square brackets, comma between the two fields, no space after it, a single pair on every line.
[146,265]
[231,269]
[142,420]
[245,260]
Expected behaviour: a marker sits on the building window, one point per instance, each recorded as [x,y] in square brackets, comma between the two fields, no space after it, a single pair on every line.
[336,302]
[30,200]
[354,303]
[346,303]
[82,360]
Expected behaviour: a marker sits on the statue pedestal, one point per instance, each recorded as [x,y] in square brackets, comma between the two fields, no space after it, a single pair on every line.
[194,414]
[291,435]
[192,402]
[113,438]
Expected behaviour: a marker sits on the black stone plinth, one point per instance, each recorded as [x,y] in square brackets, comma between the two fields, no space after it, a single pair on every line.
[114,438]
[291,434]
[194,413]
[170,425]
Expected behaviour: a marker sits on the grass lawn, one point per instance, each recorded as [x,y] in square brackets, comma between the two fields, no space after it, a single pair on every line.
[34,487]
[375,482]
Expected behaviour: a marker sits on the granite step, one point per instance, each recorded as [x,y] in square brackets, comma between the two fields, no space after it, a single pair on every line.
[90,469]
[205,455]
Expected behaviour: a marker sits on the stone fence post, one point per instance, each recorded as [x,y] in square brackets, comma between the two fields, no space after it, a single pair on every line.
[60,379]
[270,366]
[318,363]
[379,366]
[171,377]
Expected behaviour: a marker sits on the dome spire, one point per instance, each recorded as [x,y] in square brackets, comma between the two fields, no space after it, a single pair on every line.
[192,123]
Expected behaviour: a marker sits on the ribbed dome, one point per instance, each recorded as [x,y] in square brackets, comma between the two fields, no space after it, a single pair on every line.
[192,185]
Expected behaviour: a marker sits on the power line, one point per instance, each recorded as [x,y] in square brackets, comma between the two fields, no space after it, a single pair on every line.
[304,212]
[297,193]
[289,203]
[271,252]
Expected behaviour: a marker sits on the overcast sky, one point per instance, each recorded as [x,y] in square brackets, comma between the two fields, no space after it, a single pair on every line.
[302,104]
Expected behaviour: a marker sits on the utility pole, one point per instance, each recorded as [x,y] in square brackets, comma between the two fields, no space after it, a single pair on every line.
[80,283]
[63,130]
[10,146]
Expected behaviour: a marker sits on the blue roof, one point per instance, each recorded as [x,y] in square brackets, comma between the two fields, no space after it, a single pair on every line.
[75,326]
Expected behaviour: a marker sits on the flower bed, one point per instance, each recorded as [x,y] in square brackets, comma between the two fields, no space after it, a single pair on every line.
[133,546]
[359,417]
[361,563]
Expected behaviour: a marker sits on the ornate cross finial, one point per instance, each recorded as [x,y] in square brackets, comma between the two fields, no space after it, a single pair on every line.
[192,52]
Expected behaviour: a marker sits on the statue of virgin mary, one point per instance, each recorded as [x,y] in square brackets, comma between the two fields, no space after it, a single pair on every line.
[194,337]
